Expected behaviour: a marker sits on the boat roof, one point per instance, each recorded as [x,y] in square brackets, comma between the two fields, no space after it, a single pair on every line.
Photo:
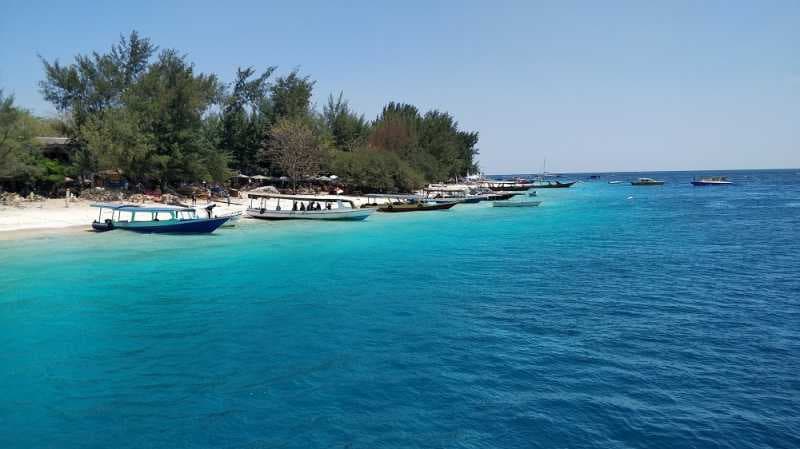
[401,196]
[138,208]
[297,197]
[113,205]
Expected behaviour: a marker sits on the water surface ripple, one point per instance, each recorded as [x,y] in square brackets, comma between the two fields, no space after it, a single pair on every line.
[669,319]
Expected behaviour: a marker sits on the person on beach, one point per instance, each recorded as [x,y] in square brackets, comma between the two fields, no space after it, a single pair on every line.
[194,199]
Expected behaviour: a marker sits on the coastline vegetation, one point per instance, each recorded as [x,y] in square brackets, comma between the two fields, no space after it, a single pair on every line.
[150,114]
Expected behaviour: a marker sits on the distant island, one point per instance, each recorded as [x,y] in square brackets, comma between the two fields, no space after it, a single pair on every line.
[142,119]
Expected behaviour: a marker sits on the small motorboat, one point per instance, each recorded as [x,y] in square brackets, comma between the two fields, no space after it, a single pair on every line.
[516,203]
[712,181]
[154,220]
[647,182]
[416,206]
[616,182]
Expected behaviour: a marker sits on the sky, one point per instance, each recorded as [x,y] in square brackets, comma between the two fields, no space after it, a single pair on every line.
[588,86]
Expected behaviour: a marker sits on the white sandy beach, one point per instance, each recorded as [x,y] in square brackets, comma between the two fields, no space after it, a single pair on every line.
[53,214]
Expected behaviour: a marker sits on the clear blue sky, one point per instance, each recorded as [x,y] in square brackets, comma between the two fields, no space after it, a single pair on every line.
[591,86]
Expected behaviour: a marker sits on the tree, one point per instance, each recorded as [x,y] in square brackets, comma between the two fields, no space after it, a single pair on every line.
[291,96]
[96,82]
[294,148]
[169,101]
[17,147]
[245,117]
[349,131]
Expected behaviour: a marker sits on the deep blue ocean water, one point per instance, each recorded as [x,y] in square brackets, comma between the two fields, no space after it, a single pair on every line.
[610,317]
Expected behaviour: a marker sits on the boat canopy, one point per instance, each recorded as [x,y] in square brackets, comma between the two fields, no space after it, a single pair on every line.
[398,196]
[137,208]
[278,196]
[112,205]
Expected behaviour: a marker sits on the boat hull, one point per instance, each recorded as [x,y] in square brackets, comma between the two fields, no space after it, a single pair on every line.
[197,226]
[419,207]
[511,188]
[102,226]
[503,196]
[553,185]
[517,204]
[326,215]
[654,183]
[710,183]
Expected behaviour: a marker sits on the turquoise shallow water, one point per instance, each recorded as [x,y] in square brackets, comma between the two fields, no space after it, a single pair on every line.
[670,319]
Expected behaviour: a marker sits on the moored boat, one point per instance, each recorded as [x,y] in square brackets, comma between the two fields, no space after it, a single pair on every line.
[712,181]
[415,206]
[516,203]
[554,184]
[155,220]
[503,196]
[647,182]
[305,208]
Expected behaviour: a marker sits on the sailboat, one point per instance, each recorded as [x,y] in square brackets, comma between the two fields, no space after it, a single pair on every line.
[541,183]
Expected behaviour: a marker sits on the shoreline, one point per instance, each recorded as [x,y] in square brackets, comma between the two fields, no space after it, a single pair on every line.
[31,233]
[52,217]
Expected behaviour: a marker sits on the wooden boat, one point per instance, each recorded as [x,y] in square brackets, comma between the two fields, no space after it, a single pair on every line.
[503,196]
[154,220]
[712,181]
[445,193]
[516,203]
[552,185]
[304,208]
[416,206]
[510,187]
[647,182]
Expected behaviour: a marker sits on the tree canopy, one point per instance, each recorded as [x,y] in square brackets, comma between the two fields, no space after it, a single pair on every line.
[151,114]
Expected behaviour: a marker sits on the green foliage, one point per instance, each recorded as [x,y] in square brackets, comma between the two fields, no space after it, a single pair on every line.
[17,147]
[161,122]
[246,115]
[169,102]
[96,82]
[348,130]
[431,144]
[291,96]
[376,171]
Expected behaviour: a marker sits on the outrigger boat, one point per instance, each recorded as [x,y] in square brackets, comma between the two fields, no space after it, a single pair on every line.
[152,220]
[417,206]
[712,181]
[503,196]
[305,208]
[516,204]
[409,203]
[647,182]
[507,186]
[547,184]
